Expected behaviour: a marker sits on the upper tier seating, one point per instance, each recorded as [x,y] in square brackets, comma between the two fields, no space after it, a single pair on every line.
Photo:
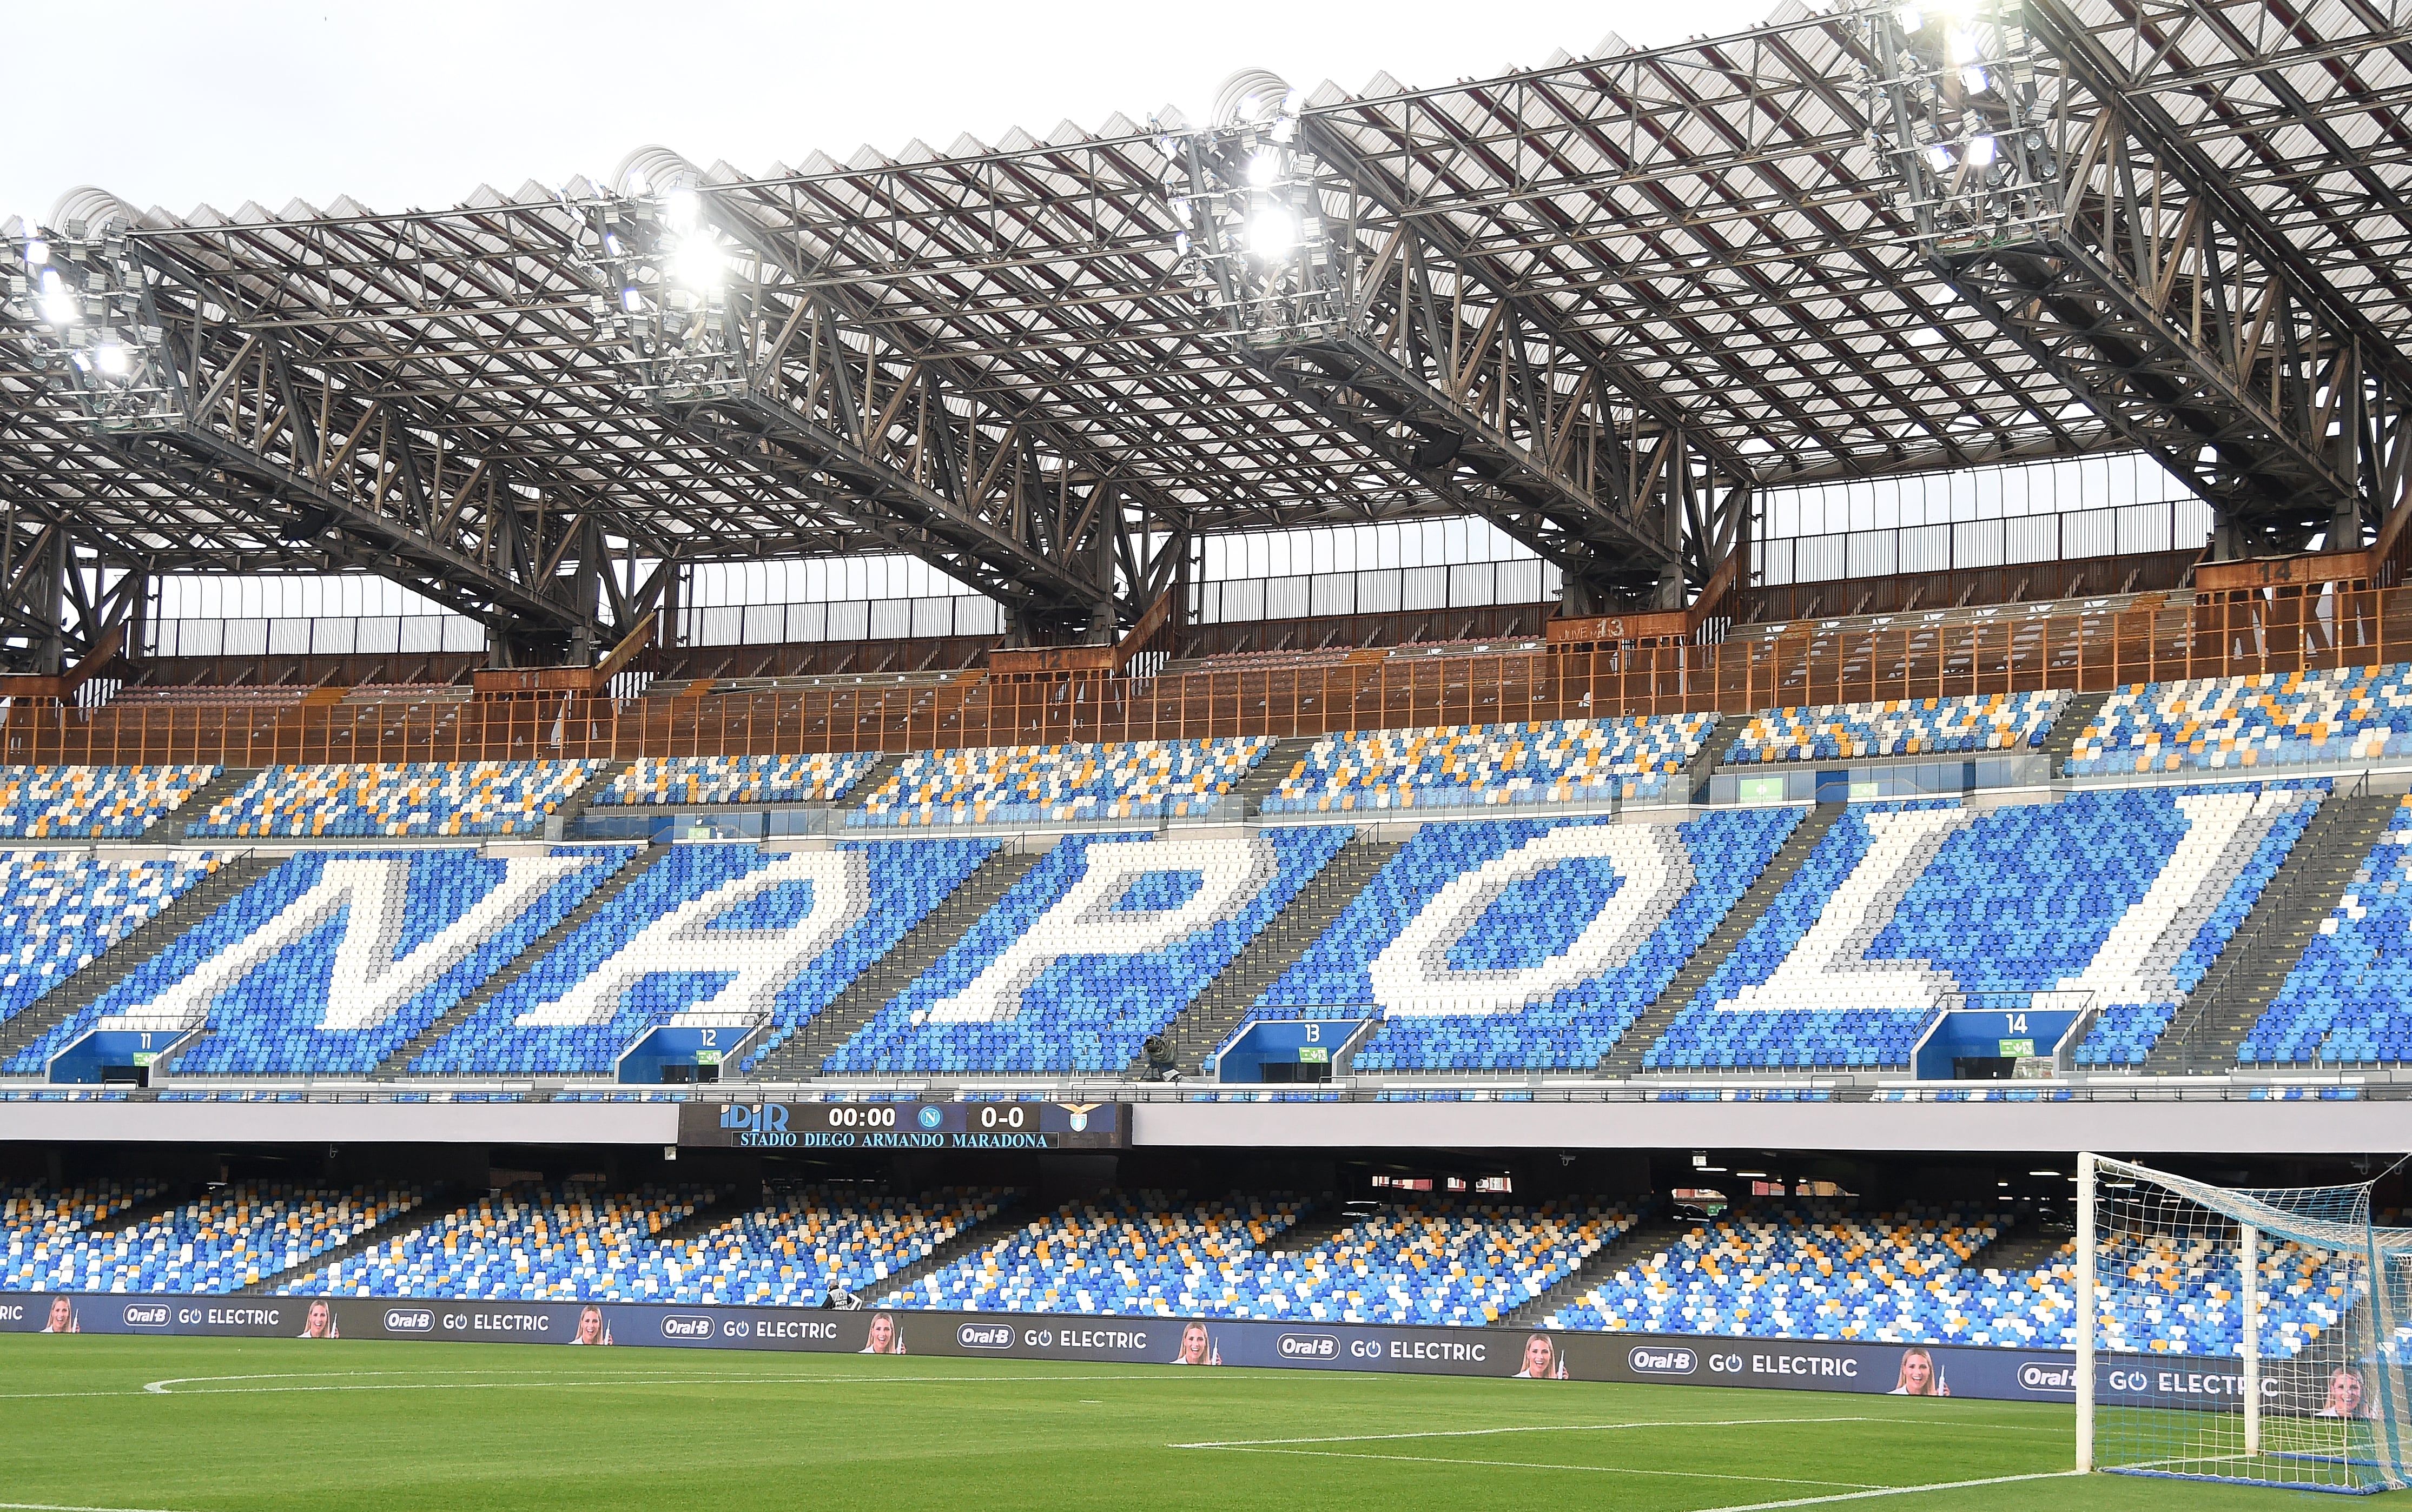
[275,696]
[2348,1001]
[1552,761]
[661,781]
[1915,726]
[1098,947]
[1022,784]
[336,958]
[1122,1255]
[787,1251]
[2359,713]
[1517,943]
[35,1218]
[92,802]
[714,936]
[60,909]
[1903,909]
[563,1241]
[419,798]
[239,1233]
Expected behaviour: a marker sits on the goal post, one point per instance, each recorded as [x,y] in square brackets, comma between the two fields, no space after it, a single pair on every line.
[2257,1335]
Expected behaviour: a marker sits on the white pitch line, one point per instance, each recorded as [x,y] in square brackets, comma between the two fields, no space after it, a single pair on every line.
[56,1507]
[1897,1490]
[1859,1486]
[160,1388]
[1606,1428]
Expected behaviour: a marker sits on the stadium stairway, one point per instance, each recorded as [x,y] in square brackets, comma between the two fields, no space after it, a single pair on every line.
[1270,772]
[1645,1238]
[229,782]
[2075,715]
[971,1238]
[2029,1246]
[2202,1038]
[582,799]
[869,782]
[1214,1013]
[114,964]
[435,1201]
[397,1065]
[1327,1219]
[1625,1059]
[820,1035]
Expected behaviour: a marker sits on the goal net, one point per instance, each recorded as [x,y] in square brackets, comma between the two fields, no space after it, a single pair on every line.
[2253,1335]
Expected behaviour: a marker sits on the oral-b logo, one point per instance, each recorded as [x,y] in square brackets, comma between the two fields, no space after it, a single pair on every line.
[408,1320]
[757,1125]
[146,1316]
[1307,1347]
[1662,1361]
[2036,1377]
[680,1326]
[985,1336]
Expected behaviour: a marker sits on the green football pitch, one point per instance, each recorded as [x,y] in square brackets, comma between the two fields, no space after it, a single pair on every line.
[192,1425]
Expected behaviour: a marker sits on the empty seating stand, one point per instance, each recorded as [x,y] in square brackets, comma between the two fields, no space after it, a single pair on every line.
[368,799]
[1553,761]
[1917,727]
[666,781]
[2349,1000]
[2361,713]
[237,1235]
[92,802]
[61,909]
[1524,943]
[1024,784]
[1122,1255]
[568,1241]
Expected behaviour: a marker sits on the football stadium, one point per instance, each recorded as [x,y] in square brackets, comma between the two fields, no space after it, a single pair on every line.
[1682,776]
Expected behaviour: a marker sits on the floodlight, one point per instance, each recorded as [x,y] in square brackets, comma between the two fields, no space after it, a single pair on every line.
[1962,43]
[1181,244]
[1939,157]
[1293,102]
[1249,106]
[1974,81]
[1980,150]
[631,301]
[112,357]
[637,185]
[1180,209]
[696,262]
[1272,233]
[683,207]
[36,253]
[58,304]
[1912,19]
[1264,165]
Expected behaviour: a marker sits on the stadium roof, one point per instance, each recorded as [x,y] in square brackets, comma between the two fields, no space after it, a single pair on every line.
[1707,242]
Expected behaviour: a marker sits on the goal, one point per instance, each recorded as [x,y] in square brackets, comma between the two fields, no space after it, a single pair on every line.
[2240,1334]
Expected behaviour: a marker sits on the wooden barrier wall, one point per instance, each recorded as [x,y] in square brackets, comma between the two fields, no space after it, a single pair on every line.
[2277,630]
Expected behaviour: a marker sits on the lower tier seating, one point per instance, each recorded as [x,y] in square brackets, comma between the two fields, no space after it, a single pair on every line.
[721,936]
[2349,1000]
[567,1240]
[1522,943]
[1100,946]
[240,1234]
[1123,1255]
[793,1250]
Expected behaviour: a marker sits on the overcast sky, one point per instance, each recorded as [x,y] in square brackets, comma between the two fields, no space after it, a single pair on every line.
[178,102]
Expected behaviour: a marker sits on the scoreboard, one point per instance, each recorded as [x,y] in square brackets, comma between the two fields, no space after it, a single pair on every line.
[903,1126]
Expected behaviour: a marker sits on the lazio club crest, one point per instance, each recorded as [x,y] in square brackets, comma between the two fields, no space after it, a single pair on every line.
[1079,1114]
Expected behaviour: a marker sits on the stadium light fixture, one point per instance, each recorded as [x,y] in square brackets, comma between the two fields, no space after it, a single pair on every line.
[1272,233]
[697,263]
[58,303]
[1980,152]
[1264,166]
[684,208]
[110,357]
[1938,157]
[36,253]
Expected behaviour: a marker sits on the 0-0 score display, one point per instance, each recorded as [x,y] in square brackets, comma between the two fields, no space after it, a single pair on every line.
[1002,1125]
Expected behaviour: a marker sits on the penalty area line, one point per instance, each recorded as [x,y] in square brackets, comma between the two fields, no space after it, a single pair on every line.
[61,1506]
[1897,1491]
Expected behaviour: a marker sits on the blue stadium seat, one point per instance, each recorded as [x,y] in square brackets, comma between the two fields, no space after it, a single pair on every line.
[240,1234]
[575,1009]
[1100,946]
[1022,784]
[1522,943]
[2359,713]
[61,909]
[2349,1000]
[660,780]
[92,802]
